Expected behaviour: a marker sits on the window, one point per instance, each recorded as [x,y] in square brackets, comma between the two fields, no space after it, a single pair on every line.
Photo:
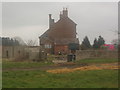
[48,46]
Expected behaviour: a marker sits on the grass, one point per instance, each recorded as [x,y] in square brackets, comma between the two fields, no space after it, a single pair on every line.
[43,79]
[29,64]
[77,79]
[96,61]
[25,64]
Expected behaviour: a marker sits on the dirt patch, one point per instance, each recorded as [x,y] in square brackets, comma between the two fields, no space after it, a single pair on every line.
[49,67]
[84,68]
[68,67]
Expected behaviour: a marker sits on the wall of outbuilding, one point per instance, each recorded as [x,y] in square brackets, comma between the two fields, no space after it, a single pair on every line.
[83,54]
[22,52]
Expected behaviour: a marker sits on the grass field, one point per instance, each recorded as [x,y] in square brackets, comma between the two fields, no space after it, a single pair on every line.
[25,64]
[78,79]
[43,79]
[28,64]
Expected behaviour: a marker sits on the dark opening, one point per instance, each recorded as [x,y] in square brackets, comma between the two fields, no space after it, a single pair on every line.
[7,54]
[19,52]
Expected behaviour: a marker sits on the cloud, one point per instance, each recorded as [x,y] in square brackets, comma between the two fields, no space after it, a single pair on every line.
[26,32]
[29,20]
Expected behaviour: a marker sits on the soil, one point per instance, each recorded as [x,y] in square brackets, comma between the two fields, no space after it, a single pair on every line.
[69,65]
[55,66]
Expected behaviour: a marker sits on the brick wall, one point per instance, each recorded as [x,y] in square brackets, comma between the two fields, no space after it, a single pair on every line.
[63,29]
[61,48]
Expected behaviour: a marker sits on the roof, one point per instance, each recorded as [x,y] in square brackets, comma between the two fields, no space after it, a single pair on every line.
[65,19]
[71,20]
[62,19]
[45,34]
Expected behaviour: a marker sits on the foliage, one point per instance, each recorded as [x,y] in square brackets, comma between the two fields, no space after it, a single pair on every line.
[31,43]
[95,45]
[98,43]
[21,42]
[6,41]
[73,46]
[85,44]
[101,41]
[116,43]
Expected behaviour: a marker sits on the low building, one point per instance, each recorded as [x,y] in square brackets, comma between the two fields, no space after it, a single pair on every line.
[24,53]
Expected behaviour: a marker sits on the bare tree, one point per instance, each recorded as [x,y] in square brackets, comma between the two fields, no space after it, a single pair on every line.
[116,41]
[115,31]
[21,42]
[31,42]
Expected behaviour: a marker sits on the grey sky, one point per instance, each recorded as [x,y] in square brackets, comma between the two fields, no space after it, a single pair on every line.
[29,20]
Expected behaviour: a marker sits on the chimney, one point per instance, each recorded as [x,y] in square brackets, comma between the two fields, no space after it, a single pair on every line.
[51,21]
[65,12]
[61,15]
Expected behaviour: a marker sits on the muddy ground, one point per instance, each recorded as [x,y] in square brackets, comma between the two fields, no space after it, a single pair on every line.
[68,65]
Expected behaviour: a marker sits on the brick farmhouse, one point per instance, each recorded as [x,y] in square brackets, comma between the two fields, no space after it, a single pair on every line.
[59,34]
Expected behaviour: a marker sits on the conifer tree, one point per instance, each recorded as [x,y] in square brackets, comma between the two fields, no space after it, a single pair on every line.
[85,43]
[101,41]
[98,43]
[95,44]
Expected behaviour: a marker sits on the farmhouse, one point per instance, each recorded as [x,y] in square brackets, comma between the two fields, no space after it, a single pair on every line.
[59,34]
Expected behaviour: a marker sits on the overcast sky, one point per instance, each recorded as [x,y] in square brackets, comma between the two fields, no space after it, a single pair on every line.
[29,20]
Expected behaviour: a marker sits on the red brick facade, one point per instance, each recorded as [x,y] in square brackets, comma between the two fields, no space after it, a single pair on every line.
[61,48]
[59,34]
